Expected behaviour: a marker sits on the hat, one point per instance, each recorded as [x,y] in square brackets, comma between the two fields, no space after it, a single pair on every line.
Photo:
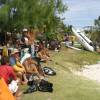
[25,30]
[27,55]
[14,51]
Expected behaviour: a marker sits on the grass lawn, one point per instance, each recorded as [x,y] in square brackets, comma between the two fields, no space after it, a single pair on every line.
[66,85]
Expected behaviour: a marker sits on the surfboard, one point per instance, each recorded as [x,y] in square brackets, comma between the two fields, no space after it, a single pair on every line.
[84,41]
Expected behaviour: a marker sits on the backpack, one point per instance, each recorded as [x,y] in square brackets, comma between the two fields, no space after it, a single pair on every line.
[32,85]
[49,71]
[45,86]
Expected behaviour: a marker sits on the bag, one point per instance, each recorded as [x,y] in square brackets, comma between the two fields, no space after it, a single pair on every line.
[32,85]
[5,93]
[45,86]
[31,89]
[49,71]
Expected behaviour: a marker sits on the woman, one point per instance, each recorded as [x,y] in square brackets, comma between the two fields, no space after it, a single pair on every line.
[43,54]
[30,66]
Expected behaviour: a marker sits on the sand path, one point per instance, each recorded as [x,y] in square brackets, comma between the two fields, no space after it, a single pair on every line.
[90,71]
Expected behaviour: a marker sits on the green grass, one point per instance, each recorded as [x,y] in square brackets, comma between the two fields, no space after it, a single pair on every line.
[75,59]
[66,85]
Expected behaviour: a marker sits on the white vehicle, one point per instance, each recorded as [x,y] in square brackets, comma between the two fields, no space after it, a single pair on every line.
[84,41]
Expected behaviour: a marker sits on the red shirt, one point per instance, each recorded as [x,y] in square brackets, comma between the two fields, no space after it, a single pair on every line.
[6,72]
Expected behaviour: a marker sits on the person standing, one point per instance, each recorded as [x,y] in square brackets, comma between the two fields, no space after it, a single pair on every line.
[25,42]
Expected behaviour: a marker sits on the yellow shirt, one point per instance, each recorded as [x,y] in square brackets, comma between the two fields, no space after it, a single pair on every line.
[5,51]
[19,67]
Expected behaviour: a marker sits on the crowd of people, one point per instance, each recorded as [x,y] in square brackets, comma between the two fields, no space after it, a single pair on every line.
[23,60]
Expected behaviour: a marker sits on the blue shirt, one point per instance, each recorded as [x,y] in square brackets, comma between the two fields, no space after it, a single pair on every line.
[12,61]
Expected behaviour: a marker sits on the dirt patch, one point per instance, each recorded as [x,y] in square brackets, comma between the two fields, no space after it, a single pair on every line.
[90,71]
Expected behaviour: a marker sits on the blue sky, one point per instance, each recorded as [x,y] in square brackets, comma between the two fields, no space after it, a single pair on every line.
[81,12]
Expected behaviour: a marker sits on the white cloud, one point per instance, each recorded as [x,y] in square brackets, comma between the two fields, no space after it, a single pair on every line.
[82,12]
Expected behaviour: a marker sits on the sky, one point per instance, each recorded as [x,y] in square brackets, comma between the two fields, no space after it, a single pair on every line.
[81,13]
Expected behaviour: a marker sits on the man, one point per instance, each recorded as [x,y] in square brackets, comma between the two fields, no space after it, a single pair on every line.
[17,66]
[7,73]
[72,38]
[25,41]
[14,58]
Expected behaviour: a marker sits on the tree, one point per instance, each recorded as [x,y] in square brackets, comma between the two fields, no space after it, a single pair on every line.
[95,34]
[35,13]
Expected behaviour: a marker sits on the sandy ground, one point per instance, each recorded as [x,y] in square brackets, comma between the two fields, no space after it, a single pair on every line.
[90,71]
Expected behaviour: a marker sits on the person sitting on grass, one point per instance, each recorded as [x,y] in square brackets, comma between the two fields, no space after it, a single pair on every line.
[17,66]
[30,66]
[43,55]
[7,73]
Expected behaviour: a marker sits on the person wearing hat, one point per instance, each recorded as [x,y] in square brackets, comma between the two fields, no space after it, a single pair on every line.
[30,66]
[17,66]
[25,41]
